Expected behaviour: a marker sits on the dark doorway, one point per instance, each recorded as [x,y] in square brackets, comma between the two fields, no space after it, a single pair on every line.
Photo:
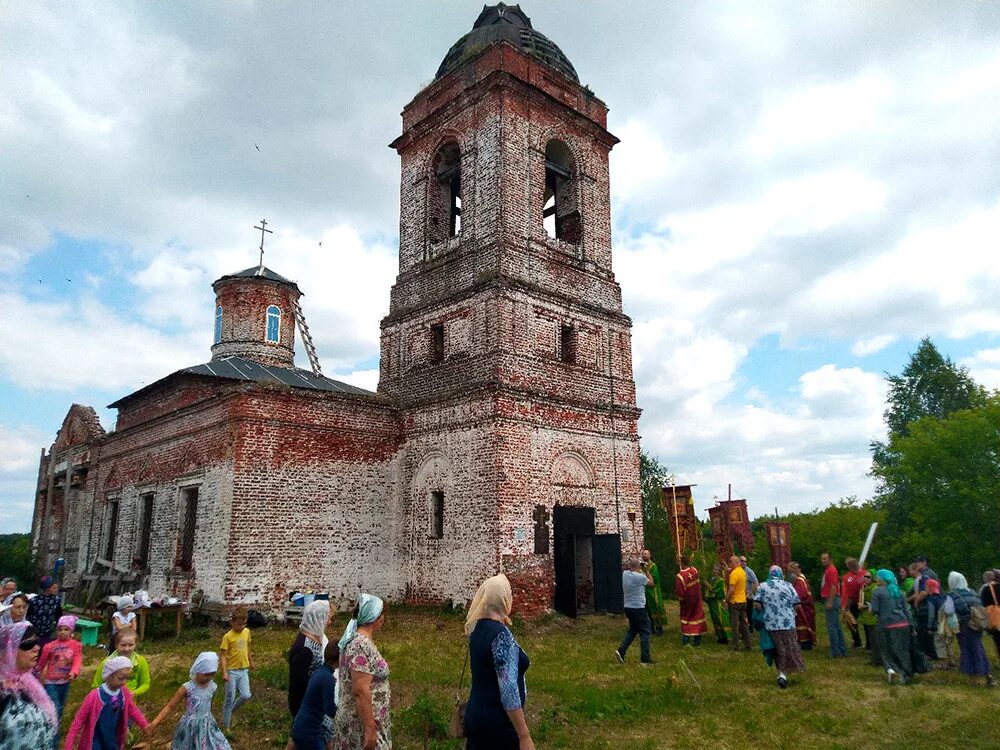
[608,594]
[565,563]
[587,566]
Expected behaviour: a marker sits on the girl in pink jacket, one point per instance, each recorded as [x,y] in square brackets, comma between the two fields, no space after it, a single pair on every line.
[102,721]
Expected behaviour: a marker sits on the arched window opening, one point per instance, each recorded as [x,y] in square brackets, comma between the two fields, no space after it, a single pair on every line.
[218,324]
[446,193]
[560,213]
[273,325]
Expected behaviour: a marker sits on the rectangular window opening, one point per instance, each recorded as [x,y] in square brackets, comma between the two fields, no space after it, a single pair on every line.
[109,548]
[437,514]
[567,344]
[189,505]
[437,342]
[145,530]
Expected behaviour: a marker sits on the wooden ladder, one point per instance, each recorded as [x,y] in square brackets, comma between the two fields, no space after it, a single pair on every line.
[307,339]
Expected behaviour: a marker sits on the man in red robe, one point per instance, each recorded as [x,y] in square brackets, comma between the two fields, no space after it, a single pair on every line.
[688,590]
[805,615]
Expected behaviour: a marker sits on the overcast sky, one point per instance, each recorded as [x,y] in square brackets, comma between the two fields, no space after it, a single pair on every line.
[802,191]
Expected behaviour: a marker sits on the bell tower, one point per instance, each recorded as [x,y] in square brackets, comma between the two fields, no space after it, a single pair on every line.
[505,344]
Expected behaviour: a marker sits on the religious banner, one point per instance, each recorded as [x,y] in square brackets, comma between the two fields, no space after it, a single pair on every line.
[683,523]
[739,524]
[779,540]
[720,534]
[731,528]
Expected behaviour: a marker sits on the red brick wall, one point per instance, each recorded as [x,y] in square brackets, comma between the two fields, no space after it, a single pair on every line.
[244,303]
[313,497]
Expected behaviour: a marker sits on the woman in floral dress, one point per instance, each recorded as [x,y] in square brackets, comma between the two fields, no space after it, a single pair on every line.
[197,729]
[27,716]
[778,600]
[363,721]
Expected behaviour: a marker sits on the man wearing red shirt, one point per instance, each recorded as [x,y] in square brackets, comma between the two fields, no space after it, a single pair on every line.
[830,592]
[850,591]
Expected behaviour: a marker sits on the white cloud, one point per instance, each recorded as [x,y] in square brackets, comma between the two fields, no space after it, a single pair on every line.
[984,367]
[367,379]
[640,162]
[866,346]
[818,113]
[21,448]
[836,392]
[87,345]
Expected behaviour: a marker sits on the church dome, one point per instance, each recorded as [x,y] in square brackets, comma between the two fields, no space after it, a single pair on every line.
[506,23]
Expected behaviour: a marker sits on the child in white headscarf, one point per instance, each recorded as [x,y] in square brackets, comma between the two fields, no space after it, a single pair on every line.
[197,729]
[123,618]
[101,722]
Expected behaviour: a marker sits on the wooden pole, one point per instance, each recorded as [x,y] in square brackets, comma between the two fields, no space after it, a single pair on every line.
[677,529]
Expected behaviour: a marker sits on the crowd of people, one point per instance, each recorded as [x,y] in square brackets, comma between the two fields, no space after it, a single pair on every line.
[338,691]
[902,619]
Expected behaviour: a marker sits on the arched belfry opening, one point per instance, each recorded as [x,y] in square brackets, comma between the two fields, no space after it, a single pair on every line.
[446,192]
[560,206]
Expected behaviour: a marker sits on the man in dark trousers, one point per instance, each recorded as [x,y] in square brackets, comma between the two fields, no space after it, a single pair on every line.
[635,578]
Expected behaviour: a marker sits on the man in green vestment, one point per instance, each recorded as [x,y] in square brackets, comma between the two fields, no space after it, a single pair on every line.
[654,594]
[715,597]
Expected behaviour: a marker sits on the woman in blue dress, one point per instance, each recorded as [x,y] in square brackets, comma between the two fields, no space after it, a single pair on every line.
[494,716]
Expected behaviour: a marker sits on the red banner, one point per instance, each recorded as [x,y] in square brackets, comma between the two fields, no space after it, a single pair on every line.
[731,528]
[680,513]
[779,540]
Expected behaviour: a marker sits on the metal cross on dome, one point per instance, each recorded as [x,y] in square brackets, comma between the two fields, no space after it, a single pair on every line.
[263,229]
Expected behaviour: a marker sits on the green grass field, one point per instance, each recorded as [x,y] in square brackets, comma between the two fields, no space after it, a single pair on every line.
[580,697]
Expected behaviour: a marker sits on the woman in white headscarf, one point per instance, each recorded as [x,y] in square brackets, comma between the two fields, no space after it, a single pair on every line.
[363,721]
[958,606]
[494,716]
[306,653]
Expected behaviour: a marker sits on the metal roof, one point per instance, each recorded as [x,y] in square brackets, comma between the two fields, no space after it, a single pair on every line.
[507,23]
[237,368]
[260,272]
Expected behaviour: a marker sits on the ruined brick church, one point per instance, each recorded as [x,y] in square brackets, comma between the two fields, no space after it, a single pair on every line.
[503,434]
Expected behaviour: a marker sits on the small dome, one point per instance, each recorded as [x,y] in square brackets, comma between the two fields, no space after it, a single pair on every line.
[259,272]
[507,23]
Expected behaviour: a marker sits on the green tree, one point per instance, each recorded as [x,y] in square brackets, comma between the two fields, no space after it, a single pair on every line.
[950,468]
[929,386]
[840,529]
[656,527]
[930,389]
[15,560]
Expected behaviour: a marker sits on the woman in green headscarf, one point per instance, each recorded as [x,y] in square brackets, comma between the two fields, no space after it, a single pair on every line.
[363,721]
[894,622]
